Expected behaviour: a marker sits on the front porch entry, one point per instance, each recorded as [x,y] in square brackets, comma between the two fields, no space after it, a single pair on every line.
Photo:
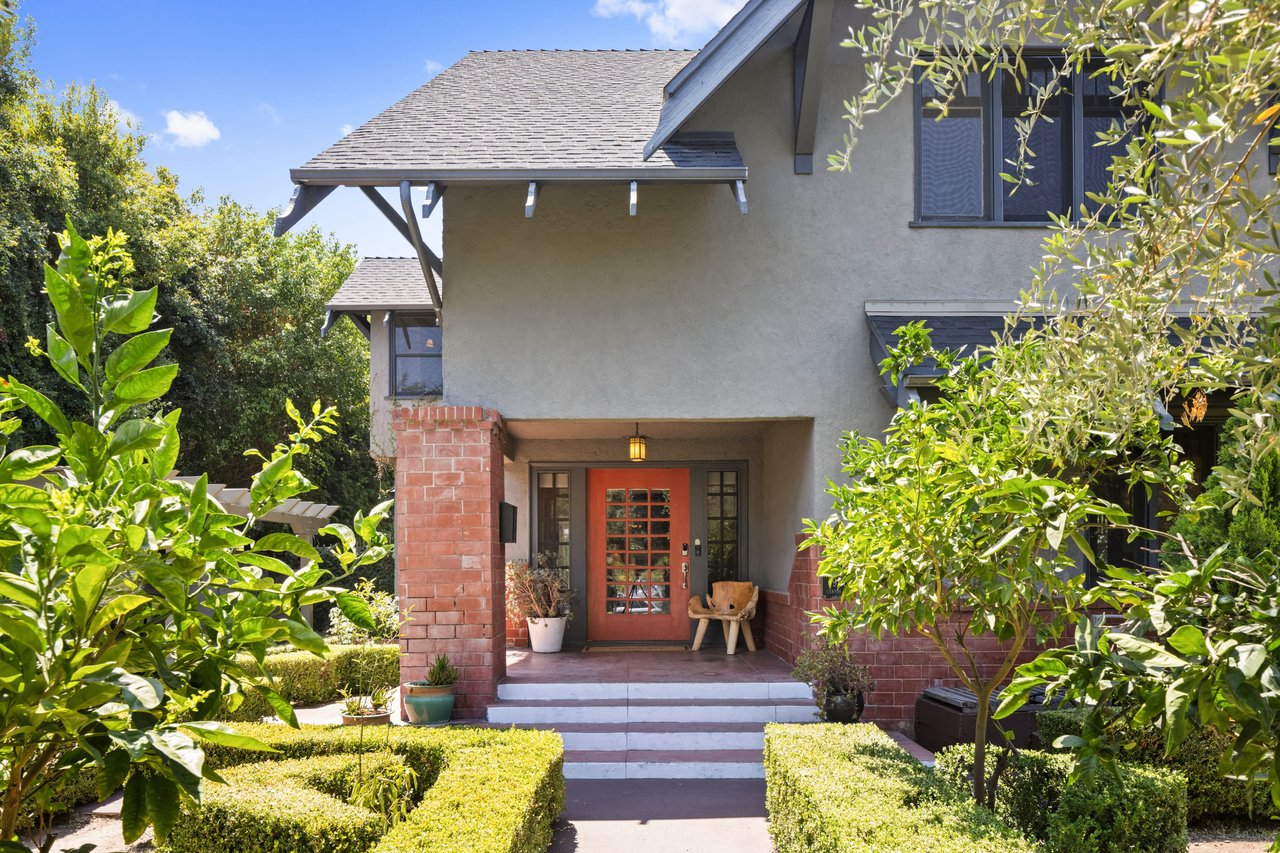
[637,554]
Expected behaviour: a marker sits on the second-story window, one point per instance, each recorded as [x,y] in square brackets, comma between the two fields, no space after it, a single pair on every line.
[960,156]
[416,365]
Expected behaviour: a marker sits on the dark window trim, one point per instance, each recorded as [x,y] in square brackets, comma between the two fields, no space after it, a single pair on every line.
[427,318]
[993,154]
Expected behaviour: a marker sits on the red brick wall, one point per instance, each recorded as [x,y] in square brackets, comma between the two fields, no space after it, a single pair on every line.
[449,481]
[517,632]
[902,666]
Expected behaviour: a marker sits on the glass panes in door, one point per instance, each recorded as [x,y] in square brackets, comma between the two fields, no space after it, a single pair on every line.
[722,526]
[637,551]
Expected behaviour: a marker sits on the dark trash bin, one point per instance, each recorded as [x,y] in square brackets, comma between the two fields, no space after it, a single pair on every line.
[947,715]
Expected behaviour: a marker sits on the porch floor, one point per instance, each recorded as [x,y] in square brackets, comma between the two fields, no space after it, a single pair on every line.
[706,666]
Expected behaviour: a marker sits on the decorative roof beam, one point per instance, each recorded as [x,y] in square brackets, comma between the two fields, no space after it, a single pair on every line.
[384,206]
[401,225]
[739,190]
[809,64]
[531,200]
[434,193]
[305,198]
[631,209]
[426,258]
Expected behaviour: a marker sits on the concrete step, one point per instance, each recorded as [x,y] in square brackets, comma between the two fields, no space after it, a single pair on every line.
[516,690]
[664,764]
[612,737]
[616,711]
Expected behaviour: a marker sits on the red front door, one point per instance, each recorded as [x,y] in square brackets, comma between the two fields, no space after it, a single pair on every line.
[637,554]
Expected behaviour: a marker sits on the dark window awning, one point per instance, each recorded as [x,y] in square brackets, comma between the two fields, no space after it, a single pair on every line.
[960,326]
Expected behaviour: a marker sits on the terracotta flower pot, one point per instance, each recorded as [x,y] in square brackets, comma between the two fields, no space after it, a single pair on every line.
[381,719]
[427,703]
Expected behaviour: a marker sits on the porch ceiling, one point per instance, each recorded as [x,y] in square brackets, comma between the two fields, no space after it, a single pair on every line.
[538,429]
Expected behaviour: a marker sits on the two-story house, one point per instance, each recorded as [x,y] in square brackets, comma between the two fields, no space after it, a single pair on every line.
[649,242]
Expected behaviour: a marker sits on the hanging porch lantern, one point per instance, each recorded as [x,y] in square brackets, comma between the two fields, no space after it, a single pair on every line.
[637,446]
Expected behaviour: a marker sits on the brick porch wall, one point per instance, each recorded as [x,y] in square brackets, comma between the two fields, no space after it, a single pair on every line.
[449,481]
[517,632]
[902,666]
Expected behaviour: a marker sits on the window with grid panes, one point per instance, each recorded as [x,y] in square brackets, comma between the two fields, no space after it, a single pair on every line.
[722,526]
[962,153]
[553,518]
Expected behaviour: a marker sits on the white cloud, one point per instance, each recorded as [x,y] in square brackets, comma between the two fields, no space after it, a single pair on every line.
[190,130]
[269,111]
[346,128]
[674,22]
[126,120]
[432,67]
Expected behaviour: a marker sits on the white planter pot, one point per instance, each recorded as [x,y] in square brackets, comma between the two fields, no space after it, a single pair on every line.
[546,636]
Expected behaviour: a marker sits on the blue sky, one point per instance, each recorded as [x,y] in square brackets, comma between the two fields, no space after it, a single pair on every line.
[234,93]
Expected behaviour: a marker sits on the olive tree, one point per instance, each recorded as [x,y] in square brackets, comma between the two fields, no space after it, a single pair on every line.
[128,598]
[1163,285]
[949,530]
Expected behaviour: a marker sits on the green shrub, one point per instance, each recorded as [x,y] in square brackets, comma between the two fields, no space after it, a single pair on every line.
[1144,809]
[284,805]
[484,790]
[1210,796]
[386,616]
[305,679]
[835,788]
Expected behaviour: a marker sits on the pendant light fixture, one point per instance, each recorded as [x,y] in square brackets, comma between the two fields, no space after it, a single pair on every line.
[637,446]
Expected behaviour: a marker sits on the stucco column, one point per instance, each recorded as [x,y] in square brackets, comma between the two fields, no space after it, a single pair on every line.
[450,558]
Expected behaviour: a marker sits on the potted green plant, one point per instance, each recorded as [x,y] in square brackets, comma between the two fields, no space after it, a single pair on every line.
[839,682]
[371,710]
[431,700]
[540,595]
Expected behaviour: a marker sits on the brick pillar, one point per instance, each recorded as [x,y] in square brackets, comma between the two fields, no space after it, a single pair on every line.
[449,481]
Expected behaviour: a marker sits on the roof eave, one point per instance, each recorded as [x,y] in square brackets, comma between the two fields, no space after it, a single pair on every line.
[373,177]
[677,108]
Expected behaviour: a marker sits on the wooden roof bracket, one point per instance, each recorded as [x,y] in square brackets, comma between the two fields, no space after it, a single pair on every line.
[426,258]
[434,193]
[531,200]
[808,68]
[304,199]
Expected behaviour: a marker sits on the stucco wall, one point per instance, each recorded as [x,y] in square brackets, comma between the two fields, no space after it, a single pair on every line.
[691,310]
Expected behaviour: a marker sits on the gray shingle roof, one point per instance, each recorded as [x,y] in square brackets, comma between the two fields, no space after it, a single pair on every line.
[383,284]
[529,111]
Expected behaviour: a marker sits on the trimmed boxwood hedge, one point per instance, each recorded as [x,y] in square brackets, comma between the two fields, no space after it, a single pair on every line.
[1209,794]
[484,790]
[302,678]
[833,787]
[1142,809]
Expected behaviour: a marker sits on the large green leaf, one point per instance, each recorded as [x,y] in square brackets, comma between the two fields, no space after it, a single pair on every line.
[165,456]
[62,357]
[135,354]
[86,591]
[27,463]
[289,544]
[162,805]
[74,319]
[131,314]
[134,435]
[133,810]
[224,735]
[355,608]
[44,408]
[144,386]
[114,609]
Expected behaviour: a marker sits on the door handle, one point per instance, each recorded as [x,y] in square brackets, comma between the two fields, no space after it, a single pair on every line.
[684,572]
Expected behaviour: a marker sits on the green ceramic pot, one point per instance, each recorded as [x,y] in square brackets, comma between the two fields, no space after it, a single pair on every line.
[427,703]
